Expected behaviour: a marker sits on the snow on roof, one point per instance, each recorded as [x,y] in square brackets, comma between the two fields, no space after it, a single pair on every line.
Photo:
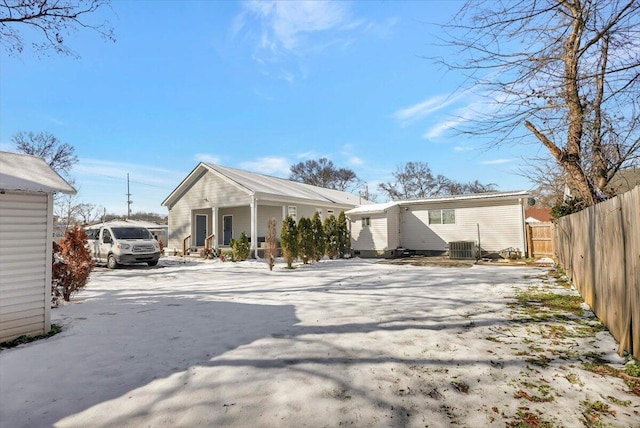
[265,185]
[378,208]
[372,208]
[30,173]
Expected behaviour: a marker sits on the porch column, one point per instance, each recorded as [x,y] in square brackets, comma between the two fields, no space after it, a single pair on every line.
[214,227]
[254,226]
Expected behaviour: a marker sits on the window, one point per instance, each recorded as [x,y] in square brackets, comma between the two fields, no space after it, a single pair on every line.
[442,216]
[292,211]
[366,221]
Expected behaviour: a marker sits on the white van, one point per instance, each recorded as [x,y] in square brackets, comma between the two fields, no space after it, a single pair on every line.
[118,242]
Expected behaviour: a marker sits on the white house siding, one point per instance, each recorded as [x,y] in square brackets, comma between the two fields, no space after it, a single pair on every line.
[393,227]
[217,192]
[501,225]
[370,238]
[25,257]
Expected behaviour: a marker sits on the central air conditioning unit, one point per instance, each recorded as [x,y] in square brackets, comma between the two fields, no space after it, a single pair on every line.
[462,250]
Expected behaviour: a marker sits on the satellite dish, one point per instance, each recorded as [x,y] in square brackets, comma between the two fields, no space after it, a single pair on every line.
[531,201]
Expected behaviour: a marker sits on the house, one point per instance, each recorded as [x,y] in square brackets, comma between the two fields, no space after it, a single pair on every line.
[221,203]
[493,221]
[537,215]
[27,185]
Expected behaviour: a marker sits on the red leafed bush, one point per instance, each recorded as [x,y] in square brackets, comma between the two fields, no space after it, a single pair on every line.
[71,265]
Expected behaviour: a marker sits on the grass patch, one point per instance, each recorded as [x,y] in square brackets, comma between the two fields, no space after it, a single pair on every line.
[599,366]
[594,410]
[623,403]
[535,303]
[527,419]
[55,329]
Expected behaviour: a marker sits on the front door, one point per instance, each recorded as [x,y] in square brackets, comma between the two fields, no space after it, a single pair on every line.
[201,229]
[227,229]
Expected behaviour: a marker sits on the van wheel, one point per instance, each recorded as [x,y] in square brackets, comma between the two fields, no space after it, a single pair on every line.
[152,263]
[112,263]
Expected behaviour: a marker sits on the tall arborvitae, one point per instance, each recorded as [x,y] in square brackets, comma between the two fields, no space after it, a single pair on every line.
[344,236]
[331,236]
[305,240]
[289,240]
[319,243]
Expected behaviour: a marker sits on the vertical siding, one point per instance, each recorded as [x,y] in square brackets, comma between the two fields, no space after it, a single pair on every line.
[501,225]
[24,303]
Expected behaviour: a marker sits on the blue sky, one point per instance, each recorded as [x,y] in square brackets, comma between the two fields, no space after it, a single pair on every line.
[256,86]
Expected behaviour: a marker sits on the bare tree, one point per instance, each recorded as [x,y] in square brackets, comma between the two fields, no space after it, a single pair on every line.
[60,156]
[323,173]
[565,72]
[52,19]
[416,181]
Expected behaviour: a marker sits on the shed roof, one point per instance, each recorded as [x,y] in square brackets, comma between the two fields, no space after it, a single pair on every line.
[377,208]
[30,173]
[264,185]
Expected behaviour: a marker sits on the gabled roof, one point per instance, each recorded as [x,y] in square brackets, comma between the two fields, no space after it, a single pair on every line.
[22,172]
[378,208]
[261,185]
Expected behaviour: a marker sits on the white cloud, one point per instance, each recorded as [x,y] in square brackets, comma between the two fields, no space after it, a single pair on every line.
[268,165]
[420,110]
[286,23]
[442,127]
[95,169]
[355,160]
[308,155]
[426,107]
[463,149]
[204,157]
[497,161]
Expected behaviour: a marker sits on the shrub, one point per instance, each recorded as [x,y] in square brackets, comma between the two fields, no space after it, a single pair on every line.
[569,206]
[330,227]
[240,247]
[305,240]
[319,243]
[344,236]
[289,240]
[272,243]
[71,265]
[207,253]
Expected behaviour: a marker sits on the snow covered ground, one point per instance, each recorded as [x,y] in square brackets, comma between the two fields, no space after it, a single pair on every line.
[205,343]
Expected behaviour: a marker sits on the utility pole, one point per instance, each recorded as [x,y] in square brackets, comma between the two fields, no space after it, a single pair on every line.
[129,201]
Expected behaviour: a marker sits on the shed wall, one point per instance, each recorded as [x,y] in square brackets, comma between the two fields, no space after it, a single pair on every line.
[26,263]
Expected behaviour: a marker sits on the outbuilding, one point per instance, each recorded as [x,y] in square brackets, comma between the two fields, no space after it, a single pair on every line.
[475,224]
[27,186]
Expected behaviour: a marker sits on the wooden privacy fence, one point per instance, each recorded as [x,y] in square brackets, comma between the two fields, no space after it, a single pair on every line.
[540,239]
[599,248]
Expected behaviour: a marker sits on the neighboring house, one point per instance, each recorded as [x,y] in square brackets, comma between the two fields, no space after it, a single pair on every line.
[222,201]
[537,215]
[27,185]
[427,226]
[624,180]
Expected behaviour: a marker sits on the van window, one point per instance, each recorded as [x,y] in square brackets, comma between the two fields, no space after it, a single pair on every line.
[131,233]
[92,233]
[106,236]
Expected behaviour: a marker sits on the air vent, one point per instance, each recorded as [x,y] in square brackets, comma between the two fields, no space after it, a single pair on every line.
[462,250]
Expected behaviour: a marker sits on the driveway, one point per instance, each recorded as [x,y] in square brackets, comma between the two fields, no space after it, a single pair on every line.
[350,342]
